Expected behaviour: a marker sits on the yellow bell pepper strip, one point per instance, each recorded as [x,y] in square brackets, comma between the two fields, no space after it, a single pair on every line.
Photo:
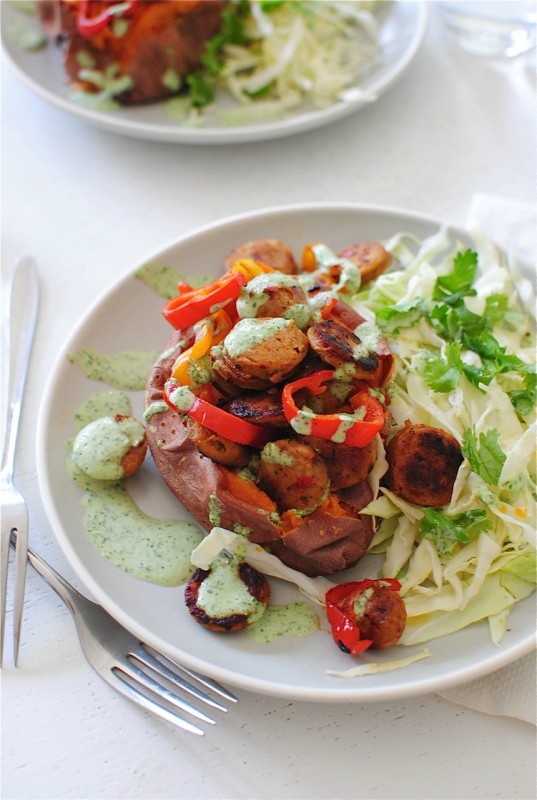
[211,332]
[182,399]
[340,428]
[341,613]
[250,268]
[189,307]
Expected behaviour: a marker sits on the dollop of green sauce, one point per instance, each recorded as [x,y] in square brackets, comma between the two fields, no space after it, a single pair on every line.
[127,370]
[291,619]
[222,593]
[99,448]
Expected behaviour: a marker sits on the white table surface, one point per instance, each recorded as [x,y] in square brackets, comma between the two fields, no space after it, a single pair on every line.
[89,205]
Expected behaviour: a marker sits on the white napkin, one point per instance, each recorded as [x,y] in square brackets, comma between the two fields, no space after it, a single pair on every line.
[512,691]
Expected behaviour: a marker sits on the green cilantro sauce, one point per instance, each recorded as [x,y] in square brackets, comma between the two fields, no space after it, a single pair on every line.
[100,447]
[292,619]
[272,454]
[215,510]
[102,404]
[222,593]
[127,370]
[154,550]
[158,407]
[251,332]
[161,279]
[25,33]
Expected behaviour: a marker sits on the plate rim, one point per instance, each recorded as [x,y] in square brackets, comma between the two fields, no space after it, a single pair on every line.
[301,123]
[356,693]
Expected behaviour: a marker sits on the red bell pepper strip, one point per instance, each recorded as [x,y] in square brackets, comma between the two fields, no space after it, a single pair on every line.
[342,616]
[359,433]
[89,26]
[189,307]
[216,419]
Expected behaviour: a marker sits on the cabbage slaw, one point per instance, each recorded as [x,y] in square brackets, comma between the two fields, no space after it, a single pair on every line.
[298,51]
[446,589]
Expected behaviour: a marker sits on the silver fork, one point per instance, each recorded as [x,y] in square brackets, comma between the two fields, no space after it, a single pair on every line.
[131,667]
[24,296]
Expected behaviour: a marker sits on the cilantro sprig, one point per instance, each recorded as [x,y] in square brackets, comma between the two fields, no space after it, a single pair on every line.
[458,283]
[447,531]
[442,374]
[484,454]
[201,83]
[464,330]
[524,400]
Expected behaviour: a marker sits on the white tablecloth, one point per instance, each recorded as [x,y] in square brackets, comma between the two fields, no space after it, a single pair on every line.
[89,205]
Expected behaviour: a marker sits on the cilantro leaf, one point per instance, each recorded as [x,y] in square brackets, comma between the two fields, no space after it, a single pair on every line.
[485,456]
[442,374]
[448,531]
[231,32]
[458,283]
[524,400]
[270,5]
[201,92]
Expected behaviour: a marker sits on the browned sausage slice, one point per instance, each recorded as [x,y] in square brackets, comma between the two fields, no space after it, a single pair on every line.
[266,350]
[370,257]
[346,465]
[218,448]
[424,462]
[262,409]
[273,252]
[382,616]
[339,346]
[293,474]
[230,620]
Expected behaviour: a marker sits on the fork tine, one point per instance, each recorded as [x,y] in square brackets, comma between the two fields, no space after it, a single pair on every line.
[21,559]
[141,678]
[201,679]
[150,704]
[207,682]
[146,658]
[4,559]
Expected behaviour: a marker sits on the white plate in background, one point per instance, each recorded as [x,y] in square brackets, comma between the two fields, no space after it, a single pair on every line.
[402,28]
[128,316]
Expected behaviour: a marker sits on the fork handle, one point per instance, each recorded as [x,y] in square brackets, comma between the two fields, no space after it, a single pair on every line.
[25,281]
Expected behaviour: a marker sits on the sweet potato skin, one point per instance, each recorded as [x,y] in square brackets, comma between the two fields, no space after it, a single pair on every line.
[322,543]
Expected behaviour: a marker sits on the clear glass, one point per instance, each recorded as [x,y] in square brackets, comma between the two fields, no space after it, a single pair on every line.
[500,28]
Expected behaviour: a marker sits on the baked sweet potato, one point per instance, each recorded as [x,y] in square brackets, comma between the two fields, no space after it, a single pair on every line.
[285,411]
[331,539]
[152,45]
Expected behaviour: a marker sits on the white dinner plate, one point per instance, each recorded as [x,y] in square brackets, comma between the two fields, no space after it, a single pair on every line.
[127,317]
[402,27]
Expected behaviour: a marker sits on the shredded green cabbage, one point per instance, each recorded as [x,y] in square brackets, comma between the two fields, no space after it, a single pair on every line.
[448,588]
[298,51]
